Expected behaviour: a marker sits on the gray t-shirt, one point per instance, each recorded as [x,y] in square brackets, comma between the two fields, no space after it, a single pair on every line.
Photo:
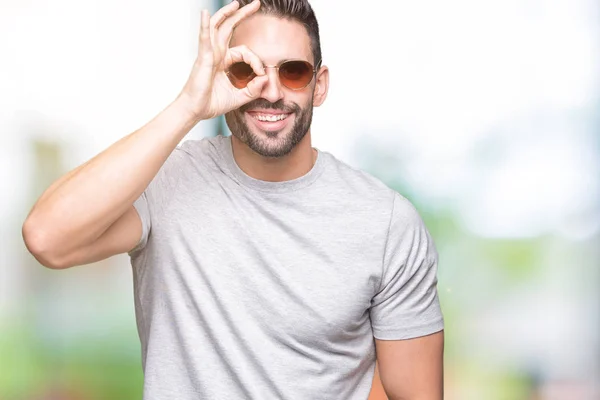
[248,289]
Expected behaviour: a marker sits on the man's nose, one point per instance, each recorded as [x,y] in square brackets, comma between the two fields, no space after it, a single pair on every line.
[272,90]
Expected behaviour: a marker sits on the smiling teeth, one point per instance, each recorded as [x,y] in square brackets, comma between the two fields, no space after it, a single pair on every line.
[271,118]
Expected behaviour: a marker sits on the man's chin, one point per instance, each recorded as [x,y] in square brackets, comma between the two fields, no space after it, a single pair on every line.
[271,144]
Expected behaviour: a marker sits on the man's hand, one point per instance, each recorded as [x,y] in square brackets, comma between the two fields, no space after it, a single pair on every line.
[208,91]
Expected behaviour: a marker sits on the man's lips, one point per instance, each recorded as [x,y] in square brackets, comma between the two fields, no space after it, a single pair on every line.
[266,112]
[269,120]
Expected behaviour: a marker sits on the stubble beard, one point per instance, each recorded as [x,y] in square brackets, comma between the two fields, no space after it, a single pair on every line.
[278,143]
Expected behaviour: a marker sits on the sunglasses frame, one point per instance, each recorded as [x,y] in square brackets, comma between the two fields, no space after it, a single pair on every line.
[315,69]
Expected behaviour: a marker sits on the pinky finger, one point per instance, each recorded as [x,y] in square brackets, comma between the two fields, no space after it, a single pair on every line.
[205,42]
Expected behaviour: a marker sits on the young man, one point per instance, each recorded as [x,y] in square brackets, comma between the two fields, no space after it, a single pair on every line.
[264,268]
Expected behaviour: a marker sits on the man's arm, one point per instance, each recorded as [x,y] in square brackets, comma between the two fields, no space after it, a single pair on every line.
[377,391]
[412,369]
[75,211]
[88,214]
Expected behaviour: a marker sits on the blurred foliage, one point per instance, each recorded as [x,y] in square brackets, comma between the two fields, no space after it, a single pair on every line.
[31,369]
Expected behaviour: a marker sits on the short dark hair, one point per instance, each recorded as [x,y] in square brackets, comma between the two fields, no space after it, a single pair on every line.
[297,10]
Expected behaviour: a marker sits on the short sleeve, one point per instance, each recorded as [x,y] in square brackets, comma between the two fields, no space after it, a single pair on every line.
[407,304]
[141,206]
[155,198]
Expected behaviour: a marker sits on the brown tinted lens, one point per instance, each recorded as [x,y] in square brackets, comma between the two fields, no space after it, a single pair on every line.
[240,74]
[295,74]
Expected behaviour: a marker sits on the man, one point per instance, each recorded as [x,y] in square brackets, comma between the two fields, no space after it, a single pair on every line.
[263,268]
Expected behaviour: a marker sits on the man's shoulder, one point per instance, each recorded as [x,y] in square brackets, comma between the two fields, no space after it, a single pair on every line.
[368,198]
[356,179]
[197,147]
[193,151]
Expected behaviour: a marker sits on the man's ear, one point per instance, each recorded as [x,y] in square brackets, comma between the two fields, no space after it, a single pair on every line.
[321,86]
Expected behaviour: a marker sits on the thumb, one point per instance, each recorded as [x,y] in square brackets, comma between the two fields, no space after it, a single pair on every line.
[253,89]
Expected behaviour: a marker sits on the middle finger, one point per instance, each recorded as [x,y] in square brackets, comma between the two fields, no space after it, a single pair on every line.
[222,14]
[232,21]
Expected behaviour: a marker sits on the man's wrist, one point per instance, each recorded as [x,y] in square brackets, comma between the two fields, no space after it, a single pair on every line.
[187,107]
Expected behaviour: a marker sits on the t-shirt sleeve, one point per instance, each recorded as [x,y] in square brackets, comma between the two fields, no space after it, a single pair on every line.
[155,198]
[141,206]
[407,304]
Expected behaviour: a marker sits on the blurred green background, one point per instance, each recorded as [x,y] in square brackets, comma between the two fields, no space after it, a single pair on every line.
[486,115]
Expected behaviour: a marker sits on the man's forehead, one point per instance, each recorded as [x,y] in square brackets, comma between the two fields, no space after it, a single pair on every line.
[273,39]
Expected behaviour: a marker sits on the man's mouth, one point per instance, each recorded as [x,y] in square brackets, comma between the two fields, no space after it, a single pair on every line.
[269,121]
[270,117]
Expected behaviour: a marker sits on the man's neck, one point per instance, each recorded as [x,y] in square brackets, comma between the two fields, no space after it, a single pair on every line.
[297,163]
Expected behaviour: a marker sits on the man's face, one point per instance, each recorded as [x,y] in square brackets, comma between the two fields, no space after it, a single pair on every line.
[273,40]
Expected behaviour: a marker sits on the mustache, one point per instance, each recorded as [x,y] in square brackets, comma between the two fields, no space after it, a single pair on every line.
[265,104]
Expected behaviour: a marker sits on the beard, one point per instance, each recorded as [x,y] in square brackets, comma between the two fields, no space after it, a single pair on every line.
[278,143]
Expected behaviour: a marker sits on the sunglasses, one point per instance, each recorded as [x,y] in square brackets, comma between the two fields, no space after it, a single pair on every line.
[293,74]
